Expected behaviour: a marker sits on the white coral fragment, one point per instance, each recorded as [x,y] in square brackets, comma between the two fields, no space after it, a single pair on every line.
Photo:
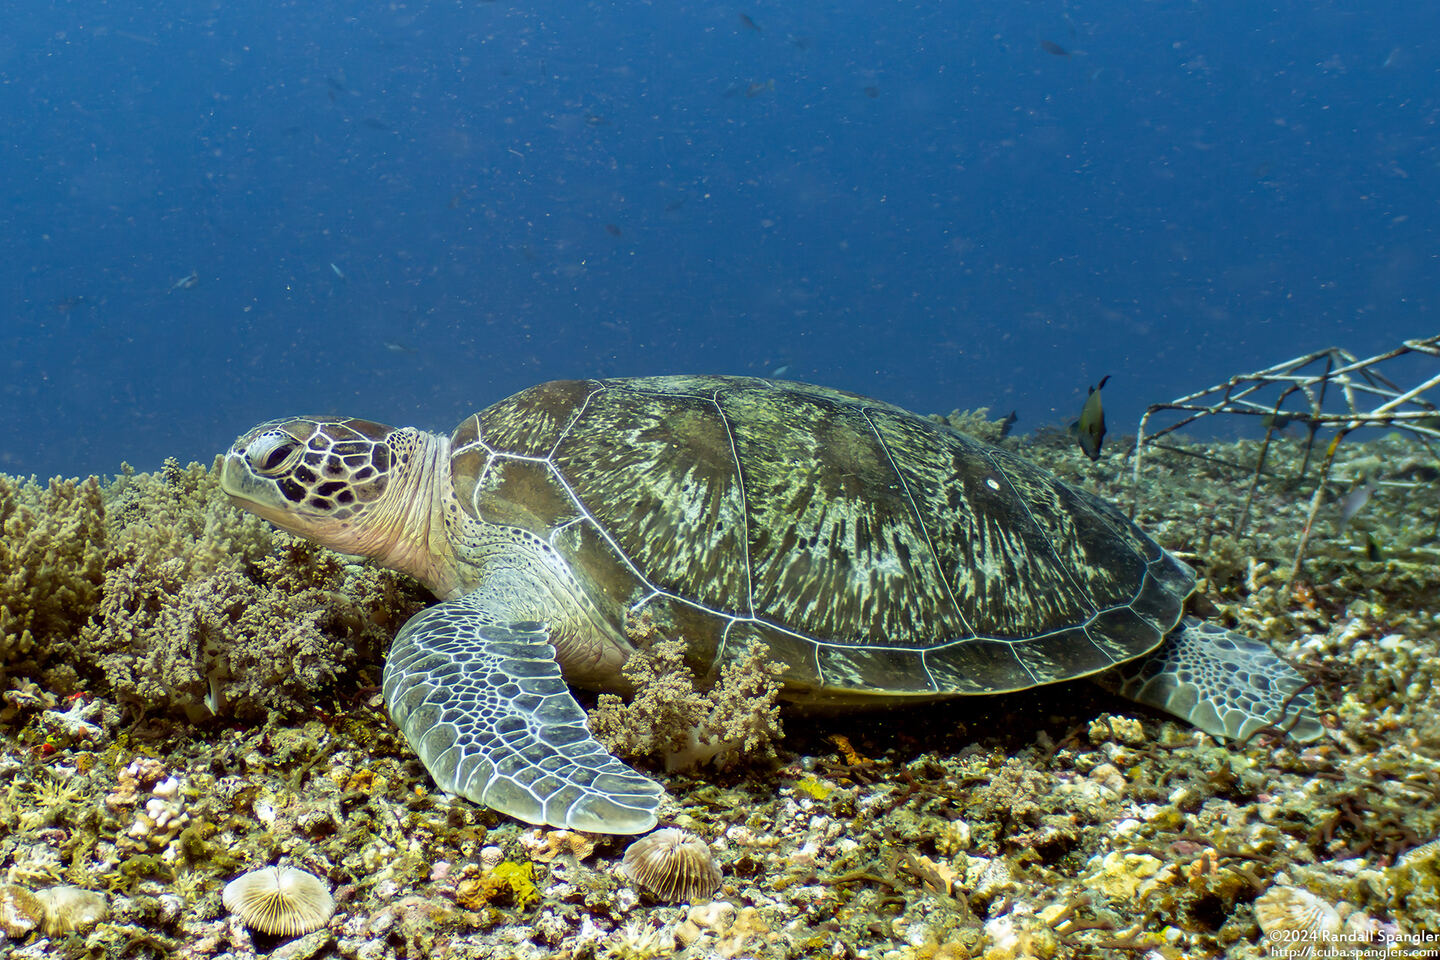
[279,900]
[674,865]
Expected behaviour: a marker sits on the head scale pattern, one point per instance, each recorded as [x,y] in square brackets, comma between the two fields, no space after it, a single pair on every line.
[329,466]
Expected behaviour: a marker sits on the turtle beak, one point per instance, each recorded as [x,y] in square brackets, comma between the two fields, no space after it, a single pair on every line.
[255,473]
[258,495]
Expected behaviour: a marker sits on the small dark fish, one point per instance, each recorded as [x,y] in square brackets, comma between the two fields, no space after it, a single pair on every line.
[1373,552]
[66,304]
[611,229]
[1277,421]
[1007,425]
[375,124]
[872,92]
[749,24]
[1054,48]
[337,85]
[1090,428]
[674,205]
[1356,499]
[595,120]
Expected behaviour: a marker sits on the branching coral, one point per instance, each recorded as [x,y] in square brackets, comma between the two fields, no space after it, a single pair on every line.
[235,640]
[977,423]
[52,558]
[155,589]
[738,717]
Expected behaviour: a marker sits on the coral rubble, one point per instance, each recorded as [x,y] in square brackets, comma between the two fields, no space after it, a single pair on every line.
[1051,823]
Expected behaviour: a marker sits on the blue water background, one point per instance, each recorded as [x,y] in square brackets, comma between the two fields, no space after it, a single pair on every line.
[408,211]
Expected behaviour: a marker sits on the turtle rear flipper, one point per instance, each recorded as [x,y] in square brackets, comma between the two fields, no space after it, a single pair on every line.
[1223,682]
[486,708]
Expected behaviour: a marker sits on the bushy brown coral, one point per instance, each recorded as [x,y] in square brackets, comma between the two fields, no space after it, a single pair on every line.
[977,423]
[155,590]
[668,717]
[52,558]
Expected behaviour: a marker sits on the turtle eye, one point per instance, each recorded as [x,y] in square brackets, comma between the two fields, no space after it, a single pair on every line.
[270,460]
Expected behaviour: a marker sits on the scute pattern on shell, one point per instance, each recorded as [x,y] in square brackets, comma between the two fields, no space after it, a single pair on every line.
[673,865]
[872,549]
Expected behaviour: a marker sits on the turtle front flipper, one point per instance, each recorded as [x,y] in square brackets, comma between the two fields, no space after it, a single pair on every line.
[486,708]
[1224,683]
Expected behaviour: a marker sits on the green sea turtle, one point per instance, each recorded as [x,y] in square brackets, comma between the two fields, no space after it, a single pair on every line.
[882,557]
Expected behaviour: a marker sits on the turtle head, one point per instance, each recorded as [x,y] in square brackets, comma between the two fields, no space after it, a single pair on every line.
[353,485]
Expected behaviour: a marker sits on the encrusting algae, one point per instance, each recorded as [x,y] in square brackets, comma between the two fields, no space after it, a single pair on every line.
[1058,822]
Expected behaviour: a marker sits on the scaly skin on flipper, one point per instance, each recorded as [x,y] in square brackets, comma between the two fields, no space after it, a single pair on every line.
[1223,682]
[486,708]
[878,555]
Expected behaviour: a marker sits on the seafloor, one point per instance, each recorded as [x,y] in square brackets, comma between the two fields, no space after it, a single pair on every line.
[1061,822]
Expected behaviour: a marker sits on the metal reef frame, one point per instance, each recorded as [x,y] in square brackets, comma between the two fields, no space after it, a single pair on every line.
[1357,382]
